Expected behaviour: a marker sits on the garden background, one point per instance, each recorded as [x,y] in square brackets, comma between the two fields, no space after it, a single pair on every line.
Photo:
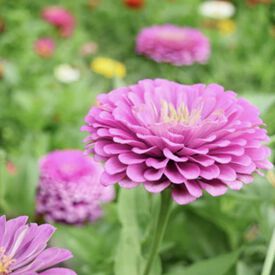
[39,113]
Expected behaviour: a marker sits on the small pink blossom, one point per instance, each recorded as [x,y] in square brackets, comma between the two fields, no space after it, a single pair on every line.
[60,18]
[11,168]
[44,47]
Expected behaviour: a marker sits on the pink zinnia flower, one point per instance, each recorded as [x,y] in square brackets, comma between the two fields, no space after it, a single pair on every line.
[60,18]
[172,44]
[44,47]
[69,189]
[23,249]
[189,138]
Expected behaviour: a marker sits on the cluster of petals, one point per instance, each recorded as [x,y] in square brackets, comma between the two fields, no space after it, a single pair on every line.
[173,44]
[24,251]
[69,189]
[189,138]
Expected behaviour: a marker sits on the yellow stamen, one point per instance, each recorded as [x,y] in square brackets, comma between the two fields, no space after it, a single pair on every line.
[5,262]
[169,114]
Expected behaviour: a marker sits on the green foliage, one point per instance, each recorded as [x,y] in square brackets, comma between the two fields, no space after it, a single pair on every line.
[219,265]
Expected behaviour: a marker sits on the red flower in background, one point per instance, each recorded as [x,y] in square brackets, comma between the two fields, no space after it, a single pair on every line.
[256,2]
[134,4]
[44,47]
[60,18]
[2,25]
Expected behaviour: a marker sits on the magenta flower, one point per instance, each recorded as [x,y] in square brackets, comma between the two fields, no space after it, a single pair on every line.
[23,249]
[188,138]
[60,18]
[44,47]
[172,44]
[69,189]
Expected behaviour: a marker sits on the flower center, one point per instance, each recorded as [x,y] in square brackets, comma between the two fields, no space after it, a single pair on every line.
[180,115]
[5,262]
[67,168]
[171,36]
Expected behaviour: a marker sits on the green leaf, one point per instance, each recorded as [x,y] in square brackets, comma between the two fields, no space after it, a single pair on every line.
[243,268]
[219,265]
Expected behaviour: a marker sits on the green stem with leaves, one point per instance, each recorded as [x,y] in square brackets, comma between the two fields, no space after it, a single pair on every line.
[159,230]
[270,256]
[3,204]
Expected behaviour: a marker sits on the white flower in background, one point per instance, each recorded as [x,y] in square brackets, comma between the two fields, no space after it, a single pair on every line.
[65,73]
[217,9]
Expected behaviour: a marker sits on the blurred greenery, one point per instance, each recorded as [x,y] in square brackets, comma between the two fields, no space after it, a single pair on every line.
[228,235]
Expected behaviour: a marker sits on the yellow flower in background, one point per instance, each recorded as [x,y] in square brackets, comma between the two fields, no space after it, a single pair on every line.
[271,177]
[226,26]
[108,67]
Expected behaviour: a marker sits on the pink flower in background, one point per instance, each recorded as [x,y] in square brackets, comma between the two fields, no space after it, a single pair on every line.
[44,47]
[11,168]
[23,249]
[189,138]
[69,189]
[172,44]
[89,48]
[61,18]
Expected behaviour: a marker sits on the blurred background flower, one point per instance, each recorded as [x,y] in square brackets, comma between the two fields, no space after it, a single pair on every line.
[216,9]
[2,25]
[256,2]
[92,4]
[173,44]
[11,168]
[65,73]
[44,47]
[134,4]
[2,70]
[60,18]
[89,48]
[226,26]
[108,67]
[69,190]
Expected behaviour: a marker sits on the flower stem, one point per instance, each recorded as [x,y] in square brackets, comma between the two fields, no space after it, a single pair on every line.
[3,204]
[159,229]
[270,256]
